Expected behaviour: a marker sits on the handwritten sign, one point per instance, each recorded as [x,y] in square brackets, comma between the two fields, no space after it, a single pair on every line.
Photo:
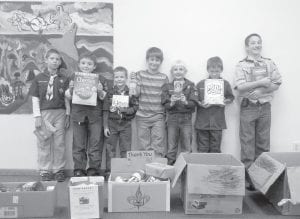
[137,155]
[214,91]
[120,101]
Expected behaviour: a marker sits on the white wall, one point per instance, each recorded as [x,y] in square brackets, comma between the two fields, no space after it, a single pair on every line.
[194,30]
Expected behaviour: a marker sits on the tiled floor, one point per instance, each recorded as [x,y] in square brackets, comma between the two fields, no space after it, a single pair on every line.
[254,206]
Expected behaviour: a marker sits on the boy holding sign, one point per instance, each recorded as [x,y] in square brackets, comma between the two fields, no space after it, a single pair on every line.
[213,94]
[119,109]
[179,99]
[87,116]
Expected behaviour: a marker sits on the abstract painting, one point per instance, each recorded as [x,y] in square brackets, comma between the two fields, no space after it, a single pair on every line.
[29,29]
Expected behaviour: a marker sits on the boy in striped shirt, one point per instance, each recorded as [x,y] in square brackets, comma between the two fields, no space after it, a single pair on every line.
[150,117]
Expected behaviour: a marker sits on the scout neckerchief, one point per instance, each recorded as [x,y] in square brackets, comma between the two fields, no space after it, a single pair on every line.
[49,94]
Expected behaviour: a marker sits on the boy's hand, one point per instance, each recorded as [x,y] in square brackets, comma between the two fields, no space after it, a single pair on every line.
[227,101]
[173,100]
[106,132]
[123,109]
[38,122]
[100,87]
[255,94]
[203,104]
[71,87]
[183,99]
[67,121]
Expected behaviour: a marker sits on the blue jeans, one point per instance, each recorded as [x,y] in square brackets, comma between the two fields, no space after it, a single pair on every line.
[179,129]
[120,131]
[209,141]
[151,133]
[87,144]
[255,123]
[51,152]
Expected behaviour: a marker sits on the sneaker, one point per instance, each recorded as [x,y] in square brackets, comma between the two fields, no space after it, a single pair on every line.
[79,173]
[60,176]
[92,172]
[46,176]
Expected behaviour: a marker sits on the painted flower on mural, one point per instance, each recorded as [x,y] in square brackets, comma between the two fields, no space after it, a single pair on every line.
[19,20]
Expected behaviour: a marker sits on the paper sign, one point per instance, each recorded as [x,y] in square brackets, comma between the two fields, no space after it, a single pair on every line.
[120,101]
[136,155]
[84,201]
[214,91]
[178,87]
[8,212]
[85,89]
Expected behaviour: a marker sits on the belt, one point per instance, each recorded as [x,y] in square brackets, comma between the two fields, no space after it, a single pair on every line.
[246,102]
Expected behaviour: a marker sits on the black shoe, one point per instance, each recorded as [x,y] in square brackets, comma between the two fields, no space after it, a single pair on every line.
[92,172]
[250,188]
[79,173]
[46,176]
[60,176]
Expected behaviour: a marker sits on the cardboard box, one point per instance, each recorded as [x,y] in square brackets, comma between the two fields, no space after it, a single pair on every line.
[210,183]
[136,196]
[277,176]
[86,197]
[27,204]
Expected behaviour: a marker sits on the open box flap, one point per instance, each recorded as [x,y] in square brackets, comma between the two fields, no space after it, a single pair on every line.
[123,165]
[265,171]
[179,167]
[293,175]
[215,179]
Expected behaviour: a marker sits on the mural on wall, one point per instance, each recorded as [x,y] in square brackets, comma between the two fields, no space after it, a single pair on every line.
[29,29]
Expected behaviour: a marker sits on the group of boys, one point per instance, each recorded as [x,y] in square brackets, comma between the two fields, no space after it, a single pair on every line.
[159,106]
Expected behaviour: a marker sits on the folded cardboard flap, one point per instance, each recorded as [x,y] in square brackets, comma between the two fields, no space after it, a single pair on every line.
[265,171]
[206,159]
[122,165]
[160,170]
[289,159]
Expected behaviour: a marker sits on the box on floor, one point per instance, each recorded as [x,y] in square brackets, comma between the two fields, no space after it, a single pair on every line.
[28,204]
[277,176]
[136,196]
[210,183]
[86,197]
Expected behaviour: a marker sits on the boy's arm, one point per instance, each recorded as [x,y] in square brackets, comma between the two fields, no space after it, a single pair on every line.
[165,97]
[133,106]
[228,97]
[242,85]
[192,97]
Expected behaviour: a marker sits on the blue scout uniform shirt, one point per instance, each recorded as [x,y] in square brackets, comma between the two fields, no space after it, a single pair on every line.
[249,70]
[39,89]
[213,117]
[188,90]
[114,114]
[93,113]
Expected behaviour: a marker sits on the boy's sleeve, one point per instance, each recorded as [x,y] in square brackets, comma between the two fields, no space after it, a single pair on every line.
[165,97]
[101,95]
[228,91]
[239,76]
[192,98]
[200,90]
[133,105]
[275,75]
[36,106]
[34,89]
[107,101]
